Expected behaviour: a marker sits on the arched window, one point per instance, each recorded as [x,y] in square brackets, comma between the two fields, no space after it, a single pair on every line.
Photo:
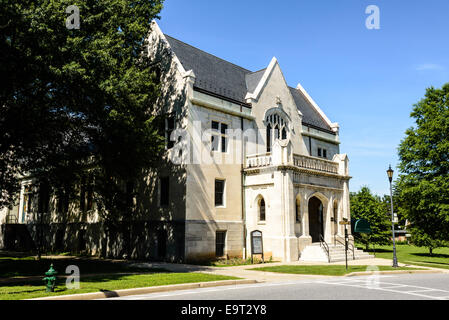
[261,209]
[277,123]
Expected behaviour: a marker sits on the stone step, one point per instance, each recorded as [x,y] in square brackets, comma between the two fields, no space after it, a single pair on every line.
[316,252]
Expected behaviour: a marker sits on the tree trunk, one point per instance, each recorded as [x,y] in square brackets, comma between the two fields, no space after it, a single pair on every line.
[430,251]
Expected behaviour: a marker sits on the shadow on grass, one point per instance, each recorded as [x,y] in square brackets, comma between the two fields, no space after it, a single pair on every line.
[375,250]
[436,263]
[14,268]
[434,255]
[38,286]
[27,291]
[91,278]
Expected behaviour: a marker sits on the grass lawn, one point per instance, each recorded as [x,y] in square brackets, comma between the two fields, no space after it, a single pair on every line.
[104,283]
[28,266]
[327,270]
[410,254]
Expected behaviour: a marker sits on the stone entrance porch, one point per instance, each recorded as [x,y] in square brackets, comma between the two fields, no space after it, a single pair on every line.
[304,198]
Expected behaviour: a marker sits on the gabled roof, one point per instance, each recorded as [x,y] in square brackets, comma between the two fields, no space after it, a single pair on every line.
[228,80]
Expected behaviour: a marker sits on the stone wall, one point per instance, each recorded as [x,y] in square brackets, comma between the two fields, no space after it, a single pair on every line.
[97,239]
[201,236]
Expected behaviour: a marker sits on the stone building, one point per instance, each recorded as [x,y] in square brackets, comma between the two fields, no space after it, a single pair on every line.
[245,151]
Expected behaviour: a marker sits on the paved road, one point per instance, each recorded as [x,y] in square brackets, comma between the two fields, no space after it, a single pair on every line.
[381,287]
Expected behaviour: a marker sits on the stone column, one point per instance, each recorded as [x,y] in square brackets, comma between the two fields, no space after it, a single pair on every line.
[327,221]
[304,215]
[290,240]
[305,239]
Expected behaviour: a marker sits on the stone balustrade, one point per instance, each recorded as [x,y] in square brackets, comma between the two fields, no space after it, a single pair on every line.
[313,163]
[300,161]
[259,160]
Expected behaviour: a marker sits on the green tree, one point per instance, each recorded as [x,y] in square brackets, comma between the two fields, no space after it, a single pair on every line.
[75,99]
[424,166]
[365,205]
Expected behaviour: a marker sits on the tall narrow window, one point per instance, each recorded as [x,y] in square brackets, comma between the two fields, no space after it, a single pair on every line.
[27,208]
[224,139]
[63,200]
[164,191]
[219,138]
[284,134]
[60,201]
[86,193]
[262,210]
[298,211]
[269,138]
[44,197]
[319,152]
[169,127]
[220,241]
[324,153]
[215,138]
[219,192]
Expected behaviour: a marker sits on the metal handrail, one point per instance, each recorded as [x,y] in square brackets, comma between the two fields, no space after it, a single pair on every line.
[349,245]
[324,244]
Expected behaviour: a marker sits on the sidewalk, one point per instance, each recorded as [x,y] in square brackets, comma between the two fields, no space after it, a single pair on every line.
[261,276]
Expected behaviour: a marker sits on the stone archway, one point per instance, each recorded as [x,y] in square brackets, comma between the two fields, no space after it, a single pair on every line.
[316,219]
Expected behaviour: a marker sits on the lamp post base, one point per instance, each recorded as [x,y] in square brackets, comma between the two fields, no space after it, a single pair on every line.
[395,263]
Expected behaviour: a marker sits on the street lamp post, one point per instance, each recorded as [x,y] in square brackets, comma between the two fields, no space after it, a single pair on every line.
[390,177]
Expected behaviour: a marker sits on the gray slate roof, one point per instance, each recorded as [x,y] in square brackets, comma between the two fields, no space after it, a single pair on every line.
[309,113]
[253,79]
[231,81]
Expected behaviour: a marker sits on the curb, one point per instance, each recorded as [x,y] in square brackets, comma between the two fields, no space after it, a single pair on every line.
[367,273]
[137,291]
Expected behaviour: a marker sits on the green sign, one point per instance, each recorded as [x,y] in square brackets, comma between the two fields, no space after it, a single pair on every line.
[362,226]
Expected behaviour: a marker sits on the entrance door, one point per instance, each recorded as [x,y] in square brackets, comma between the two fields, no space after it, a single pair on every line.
[316,227]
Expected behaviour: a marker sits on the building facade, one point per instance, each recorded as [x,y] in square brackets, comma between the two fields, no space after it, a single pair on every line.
[245,152]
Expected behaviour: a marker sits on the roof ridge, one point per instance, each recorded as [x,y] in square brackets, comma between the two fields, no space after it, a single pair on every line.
[248,71]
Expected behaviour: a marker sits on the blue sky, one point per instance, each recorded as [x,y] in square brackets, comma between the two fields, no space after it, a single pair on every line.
[366,80]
